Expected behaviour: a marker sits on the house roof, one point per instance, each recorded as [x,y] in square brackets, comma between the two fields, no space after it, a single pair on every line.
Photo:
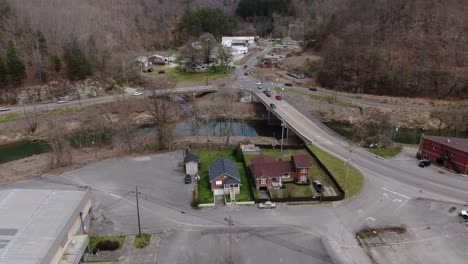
[191,158]
[224,166]
[301,161]
[32,221]
[271,169]
[456,143]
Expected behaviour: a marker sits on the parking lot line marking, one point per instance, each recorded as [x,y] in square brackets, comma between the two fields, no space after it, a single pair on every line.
[370,218]
[397,200]
[402,204]
[399,194]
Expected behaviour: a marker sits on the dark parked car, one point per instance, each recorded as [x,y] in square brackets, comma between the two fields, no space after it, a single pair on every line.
[318,186]
[188,179]
[424,163]
[273,106]
[313,89]
[288,84]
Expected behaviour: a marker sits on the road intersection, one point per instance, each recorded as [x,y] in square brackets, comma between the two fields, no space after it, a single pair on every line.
[395,193]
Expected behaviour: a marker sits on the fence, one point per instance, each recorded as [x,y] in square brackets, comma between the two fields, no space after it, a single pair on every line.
[339,197]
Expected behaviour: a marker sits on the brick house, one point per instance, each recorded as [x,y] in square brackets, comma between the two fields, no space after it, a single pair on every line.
[270,172]
[224,177]
[448,152]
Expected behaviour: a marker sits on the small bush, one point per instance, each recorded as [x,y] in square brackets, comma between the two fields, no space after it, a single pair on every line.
[142,241]
[107,245]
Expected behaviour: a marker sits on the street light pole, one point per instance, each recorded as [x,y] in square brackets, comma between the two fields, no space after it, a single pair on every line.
[347,169]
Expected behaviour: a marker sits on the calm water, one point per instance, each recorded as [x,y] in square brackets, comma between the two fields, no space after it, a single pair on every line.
[216,128]
[404,135]
[21,149]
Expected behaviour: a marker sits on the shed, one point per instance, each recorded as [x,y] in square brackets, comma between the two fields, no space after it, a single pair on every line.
[191,165]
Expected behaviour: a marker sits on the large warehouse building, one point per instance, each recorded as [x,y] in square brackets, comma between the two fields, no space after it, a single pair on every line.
[43,226]
[449,152]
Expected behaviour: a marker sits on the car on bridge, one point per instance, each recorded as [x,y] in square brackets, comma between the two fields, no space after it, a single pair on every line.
[259,83]
[278,97]
[273,106]
[268,94]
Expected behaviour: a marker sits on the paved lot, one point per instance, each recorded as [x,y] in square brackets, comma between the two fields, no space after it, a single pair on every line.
[188,234]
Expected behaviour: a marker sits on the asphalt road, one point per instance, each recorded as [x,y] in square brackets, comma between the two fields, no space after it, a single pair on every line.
[290,234]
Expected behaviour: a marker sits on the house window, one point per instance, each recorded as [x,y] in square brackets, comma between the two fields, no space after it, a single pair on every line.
[303,170]
[453,155]
[219,183]
[426,156]
[434,148]
[262,181]
[303,178]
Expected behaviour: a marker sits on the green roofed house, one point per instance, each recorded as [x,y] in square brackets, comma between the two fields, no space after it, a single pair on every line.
[224,177]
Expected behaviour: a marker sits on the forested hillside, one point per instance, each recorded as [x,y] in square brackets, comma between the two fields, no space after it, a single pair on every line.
[395,47]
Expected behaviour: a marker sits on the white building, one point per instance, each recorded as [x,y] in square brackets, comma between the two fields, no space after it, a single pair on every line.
[44,226]
[237,41]
[237,46]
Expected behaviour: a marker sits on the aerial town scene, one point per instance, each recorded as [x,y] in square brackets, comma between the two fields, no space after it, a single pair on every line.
[233,131]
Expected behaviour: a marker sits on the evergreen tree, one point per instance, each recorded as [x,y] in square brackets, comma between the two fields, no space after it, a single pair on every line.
[15,66]
[3,72]
[78,66]
[56,63]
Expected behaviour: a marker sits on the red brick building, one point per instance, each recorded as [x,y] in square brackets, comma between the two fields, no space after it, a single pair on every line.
[270,172]
[449,152]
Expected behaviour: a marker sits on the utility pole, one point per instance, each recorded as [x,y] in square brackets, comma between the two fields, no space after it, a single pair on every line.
[282,133]
[347,169]
[230,223]
[138,211]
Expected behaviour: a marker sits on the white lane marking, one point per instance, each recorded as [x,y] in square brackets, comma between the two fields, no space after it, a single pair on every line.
[402,204]
[399,194]
[370,218]
[398,200]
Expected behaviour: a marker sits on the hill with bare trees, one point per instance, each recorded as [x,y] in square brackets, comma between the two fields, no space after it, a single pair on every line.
[389,47]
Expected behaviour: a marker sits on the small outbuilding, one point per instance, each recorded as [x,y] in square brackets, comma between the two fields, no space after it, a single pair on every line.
[191,165]
[448,152]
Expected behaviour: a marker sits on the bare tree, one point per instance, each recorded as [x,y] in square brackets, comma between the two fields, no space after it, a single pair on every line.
[124,126]
[164,111]
[60,154]
[225,103]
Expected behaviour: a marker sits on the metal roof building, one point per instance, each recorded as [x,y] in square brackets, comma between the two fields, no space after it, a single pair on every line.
[43,226]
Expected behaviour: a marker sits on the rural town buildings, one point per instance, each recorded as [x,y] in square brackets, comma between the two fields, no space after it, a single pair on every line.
[270,172]
[44,226]
[224,177]
[448,152]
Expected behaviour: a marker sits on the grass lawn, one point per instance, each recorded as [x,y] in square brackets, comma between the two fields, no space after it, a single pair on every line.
[142,241]
[293,190]
[10,117]
[206,157]
[386,152]
[181,76]
[93,240]
[338,168]
[67,110]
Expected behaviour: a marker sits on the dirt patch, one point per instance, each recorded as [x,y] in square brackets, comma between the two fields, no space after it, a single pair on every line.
[344,112]
[37,165]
